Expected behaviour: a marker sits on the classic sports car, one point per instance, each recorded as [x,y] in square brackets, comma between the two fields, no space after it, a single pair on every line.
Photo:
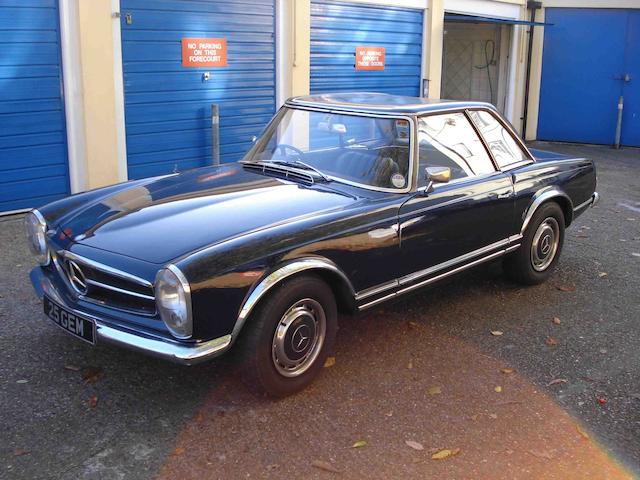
[346,201]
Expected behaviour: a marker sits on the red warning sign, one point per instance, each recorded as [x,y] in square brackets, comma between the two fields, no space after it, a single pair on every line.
[204,52]
[369,58]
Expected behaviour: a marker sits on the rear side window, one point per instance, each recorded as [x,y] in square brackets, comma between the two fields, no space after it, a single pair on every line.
[503,146]
[449,140]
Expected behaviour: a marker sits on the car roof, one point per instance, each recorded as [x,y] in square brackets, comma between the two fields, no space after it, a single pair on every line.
[369,102]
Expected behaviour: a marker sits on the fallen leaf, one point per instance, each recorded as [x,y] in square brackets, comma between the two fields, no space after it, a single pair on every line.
[507,371]
[389,414]
[498,389]
[582,432]
[541,454]
[92,374]
[603,350]
[566,288]
[19,452]
[410,364]
[551,341]
[413,325]
[557,381]
[493,416]
[603,274]
[93,401]
[73,368]
[445,453]
[475,417]
[273,466]
[434,391]
[359,444]
[601,400]
[326,466]
[22,381]
[556,320]
[414,445]
[329,362]
[497,333]
[177,451]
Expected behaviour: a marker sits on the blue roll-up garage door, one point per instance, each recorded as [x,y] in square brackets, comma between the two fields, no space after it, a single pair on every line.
[337,28]
[33,151]
[168,106]
[591,57]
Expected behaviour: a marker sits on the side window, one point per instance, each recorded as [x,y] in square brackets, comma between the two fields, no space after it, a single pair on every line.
[501,143]
[449,140]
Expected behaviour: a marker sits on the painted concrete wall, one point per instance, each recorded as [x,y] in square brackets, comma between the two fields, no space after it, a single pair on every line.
[97,76]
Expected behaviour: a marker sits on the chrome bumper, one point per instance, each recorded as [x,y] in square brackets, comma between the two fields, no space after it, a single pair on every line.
[595,198]
[182,353]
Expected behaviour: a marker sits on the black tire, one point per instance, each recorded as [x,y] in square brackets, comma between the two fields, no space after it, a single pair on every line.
[528,265]
[262,370]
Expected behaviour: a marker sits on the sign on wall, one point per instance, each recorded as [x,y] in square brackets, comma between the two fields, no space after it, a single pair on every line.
[204,52]
[369,58]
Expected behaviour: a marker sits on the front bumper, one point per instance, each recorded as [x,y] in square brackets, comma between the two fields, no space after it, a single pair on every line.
[182,353]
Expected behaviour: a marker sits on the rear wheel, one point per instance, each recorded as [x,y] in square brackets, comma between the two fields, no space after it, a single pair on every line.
[289,337]
[541,245]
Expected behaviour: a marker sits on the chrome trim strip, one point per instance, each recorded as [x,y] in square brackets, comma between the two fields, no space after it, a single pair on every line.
[449,263]
[105,268]
[450,272]
[512,248]
[276,277]
[368,292]
[432,279]
[156,345]
[538,199]
[120,290]
[593,199]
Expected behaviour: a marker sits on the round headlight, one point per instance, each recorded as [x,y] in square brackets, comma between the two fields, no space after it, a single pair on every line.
[173,299]
[36,228]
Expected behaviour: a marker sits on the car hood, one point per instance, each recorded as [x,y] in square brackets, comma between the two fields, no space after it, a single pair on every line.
[171,216]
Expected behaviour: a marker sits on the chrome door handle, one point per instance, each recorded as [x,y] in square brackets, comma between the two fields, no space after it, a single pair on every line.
[504,195]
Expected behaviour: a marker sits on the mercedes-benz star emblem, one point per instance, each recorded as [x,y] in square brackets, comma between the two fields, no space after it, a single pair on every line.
[300,338]
[76,277]
[545,245]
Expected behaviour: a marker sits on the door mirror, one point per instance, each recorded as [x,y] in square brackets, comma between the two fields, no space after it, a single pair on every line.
[436,175]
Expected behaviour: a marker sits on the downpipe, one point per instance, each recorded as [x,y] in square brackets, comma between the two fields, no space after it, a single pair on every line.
[616,144]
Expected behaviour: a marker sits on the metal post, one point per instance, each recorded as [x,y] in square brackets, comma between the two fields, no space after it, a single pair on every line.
[215,134]
[619,123]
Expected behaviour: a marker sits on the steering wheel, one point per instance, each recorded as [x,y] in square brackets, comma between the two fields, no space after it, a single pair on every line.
[283,147]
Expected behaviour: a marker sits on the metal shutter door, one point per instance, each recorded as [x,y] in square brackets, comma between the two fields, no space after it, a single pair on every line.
[33,150]
[168,106]
[337,28]
[583,62]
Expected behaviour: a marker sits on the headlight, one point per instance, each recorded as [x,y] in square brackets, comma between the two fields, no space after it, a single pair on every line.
[36,228]
[173,299]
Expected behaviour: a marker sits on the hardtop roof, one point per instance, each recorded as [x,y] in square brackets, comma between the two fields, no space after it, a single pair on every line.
[369,102]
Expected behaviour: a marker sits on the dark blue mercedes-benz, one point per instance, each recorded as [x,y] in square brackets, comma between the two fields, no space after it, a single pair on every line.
[346,201]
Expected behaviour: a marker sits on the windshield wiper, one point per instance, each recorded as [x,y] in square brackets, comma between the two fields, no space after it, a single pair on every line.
[300,163]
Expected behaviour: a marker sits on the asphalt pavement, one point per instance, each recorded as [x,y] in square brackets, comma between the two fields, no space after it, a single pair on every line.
[499,380]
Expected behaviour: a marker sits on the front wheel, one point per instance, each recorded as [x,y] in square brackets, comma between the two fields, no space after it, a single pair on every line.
[289,336]
[541,245]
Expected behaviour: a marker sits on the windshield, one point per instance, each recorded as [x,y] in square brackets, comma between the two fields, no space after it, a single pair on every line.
[368,151]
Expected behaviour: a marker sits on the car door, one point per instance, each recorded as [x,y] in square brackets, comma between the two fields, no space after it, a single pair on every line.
[467,219]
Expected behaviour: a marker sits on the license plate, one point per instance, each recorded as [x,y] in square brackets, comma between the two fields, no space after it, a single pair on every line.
[80,327]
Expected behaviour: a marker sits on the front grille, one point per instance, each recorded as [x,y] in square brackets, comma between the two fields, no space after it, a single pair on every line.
[105,286]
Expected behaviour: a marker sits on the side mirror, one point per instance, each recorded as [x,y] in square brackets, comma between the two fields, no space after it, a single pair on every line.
[436,175]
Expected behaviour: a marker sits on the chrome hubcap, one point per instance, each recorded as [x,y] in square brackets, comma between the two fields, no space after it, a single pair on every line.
[545,244]
[299,337]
